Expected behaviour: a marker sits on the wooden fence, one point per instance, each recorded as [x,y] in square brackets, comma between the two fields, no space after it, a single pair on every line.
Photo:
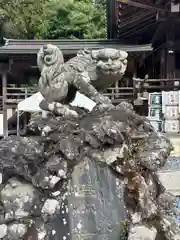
[16,95]
[116,94]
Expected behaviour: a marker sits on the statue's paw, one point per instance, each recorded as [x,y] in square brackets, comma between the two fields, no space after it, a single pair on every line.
[58,109]
[44,105]
[65,111]
[125,105]
[72,113]
[106,101]
[104,107]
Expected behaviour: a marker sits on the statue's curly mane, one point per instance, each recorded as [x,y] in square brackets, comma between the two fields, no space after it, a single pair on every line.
[50,60]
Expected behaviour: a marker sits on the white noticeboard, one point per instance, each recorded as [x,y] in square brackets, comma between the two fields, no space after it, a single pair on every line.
[1,124]
[83,101]
[31,104]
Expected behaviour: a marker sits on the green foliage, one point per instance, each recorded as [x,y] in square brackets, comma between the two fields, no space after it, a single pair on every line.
[76,19]
[124,230]
[22,18]
[53,19]
[101,3]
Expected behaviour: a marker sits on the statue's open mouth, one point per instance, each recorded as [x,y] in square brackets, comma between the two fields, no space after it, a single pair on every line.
[115,66]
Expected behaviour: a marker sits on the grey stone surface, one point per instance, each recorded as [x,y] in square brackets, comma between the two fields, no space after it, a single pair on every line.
[95,202]
[20,200]
[86,178]
[3,230]
[16,231]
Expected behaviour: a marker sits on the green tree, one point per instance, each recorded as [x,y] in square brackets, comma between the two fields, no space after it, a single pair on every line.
[22,18]
[101,3]
[53,19]
[84,19]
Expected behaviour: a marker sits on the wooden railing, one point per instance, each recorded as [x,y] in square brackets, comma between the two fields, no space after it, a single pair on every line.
[116,94]
[162,84]
[119,94]
[163,80]
[16,95]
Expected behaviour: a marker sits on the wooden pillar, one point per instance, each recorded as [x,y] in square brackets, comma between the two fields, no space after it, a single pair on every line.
[170,54]
[162,56]
[170,63]
[162,64]
[5,67]
[5,120]
[111,19]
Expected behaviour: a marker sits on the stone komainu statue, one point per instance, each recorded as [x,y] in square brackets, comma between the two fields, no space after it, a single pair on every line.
[90,72]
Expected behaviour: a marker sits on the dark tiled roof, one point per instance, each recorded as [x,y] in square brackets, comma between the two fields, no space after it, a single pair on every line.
[12,46]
